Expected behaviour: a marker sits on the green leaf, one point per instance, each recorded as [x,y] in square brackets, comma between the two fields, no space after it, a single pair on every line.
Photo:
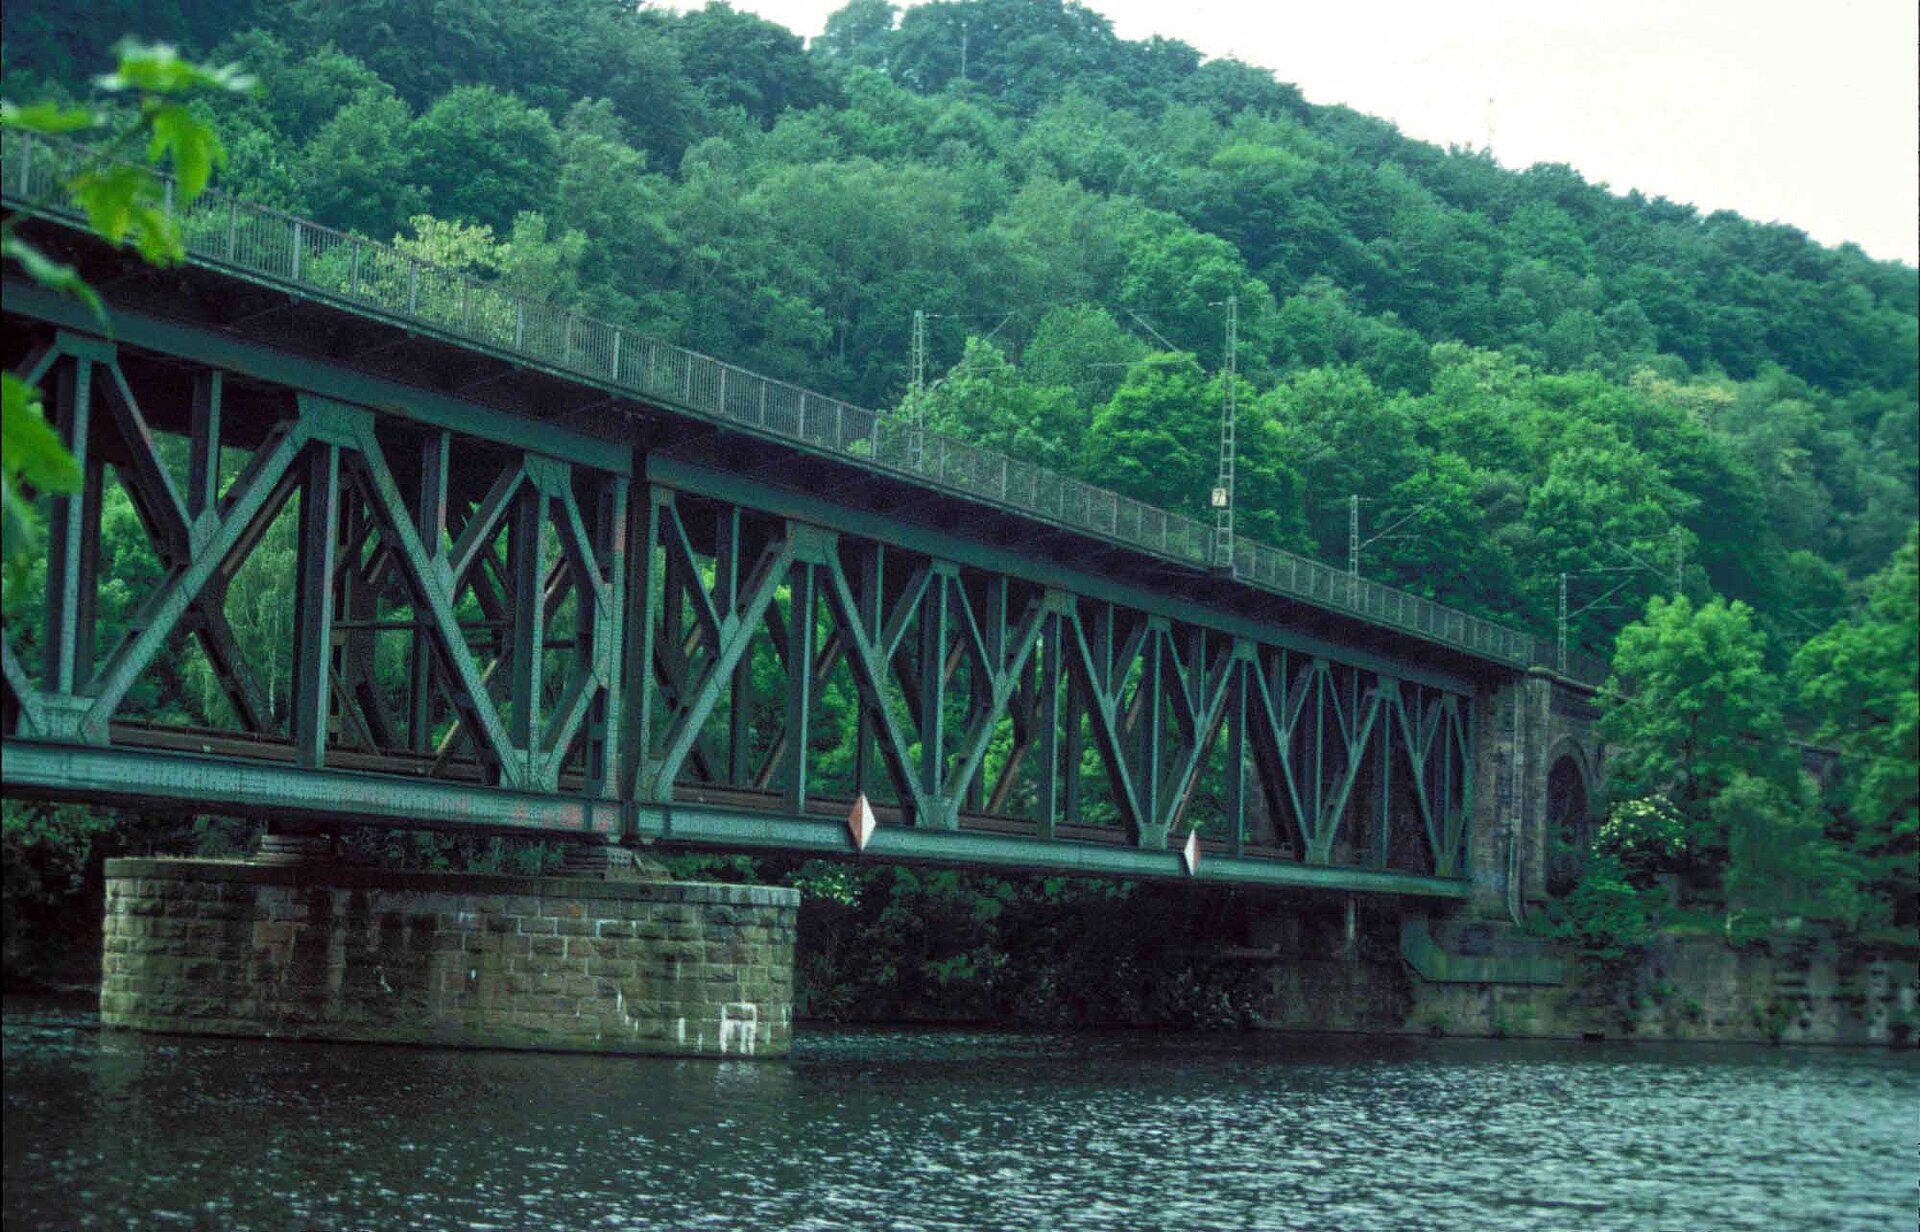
[122,200]
[19,529]
[32,448]
[156,68]
[52,274]
[32,453]
[46,117]
[193,145]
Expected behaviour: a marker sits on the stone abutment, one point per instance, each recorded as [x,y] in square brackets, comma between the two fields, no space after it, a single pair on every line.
[326,951]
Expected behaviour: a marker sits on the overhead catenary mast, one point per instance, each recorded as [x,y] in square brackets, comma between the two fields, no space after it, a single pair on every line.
[917,366]
[1223,487]
[916,389]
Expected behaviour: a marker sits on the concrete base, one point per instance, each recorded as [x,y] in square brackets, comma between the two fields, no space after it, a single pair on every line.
[306,949]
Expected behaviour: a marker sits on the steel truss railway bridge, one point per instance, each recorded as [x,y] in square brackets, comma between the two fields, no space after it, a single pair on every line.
[411,551]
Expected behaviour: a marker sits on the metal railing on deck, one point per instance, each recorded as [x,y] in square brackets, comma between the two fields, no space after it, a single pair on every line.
[265,245]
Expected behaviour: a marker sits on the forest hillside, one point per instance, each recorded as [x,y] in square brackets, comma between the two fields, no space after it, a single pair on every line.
[1521,374]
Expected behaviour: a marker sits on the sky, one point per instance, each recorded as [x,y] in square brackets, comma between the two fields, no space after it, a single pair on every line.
[1783,110]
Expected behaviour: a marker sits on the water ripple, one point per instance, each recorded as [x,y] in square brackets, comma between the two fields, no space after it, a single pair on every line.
[928,1131]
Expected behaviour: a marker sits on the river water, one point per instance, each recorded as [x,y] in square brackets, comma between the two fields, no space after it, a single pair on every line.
[954,1130]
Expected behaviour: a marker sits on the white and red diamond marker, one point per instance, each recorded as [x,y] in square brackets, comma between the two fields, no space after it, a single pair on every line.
[861,823]
[1190,854]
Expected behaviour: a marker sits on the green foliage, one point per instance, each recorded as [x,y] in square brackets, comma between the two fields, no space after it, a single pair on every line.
[984,398]
[35,458]
[1606,918]
[1860,681]
[51,882]
[1783,869]
[1690,706]
[484,156]
[357,170]
[896,943]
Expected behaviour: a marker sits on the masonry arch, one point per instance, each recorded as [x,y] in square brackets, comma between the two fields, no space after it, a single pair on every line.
[1572,815]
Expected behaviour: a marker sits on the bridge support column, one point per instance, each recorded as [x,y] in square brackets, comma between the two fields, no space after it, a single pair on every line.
[1508,852]
[296,945]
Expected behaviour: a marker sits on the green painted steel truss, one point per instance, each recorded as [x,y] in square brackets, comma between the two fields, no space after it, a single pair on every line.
[269,598]
[782,661]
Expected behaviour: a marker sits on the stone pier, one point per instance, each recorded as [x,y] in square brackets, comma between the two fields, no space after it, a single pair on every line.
[305,949]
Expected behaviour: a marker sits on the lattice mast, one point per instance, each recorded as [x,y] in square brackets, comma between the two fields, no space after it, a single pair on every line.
[917,367]
[1223,488]
[1353,549]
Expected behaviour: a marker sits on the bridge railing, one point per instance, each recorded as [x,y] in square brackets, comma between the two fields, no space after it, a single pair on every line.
[268,246]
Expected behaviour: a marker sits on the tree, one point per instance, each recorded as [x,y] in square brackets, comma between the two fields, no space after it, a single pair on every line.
[740,60]
[858,33]
[1782,868]
[1860,681]
[1084,349]
[630,266]
[1689,707]
[484,156]
[984,398]
[1158,439]
[357,169]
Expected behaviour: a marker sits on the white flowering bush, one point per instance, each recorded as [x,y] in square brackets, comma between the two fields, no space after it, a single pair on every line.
[1646,835]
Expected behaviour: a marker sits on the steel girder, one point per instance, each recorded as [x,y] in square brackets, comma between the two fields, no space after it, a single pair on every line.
[796,667]
[460,574]
[508,637]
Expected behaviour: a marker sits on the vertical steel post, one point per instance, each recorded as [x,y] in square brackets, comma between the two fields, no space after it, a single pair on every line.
[71,552]
[1383,774]
[869,605]
[726,599]
[800,651]
[1153,691]
[642,618]
[431,522]
[1048,721]
[933,692]
[1353,548]
[313,605]
[203,468]
[1236,793]
[527,571]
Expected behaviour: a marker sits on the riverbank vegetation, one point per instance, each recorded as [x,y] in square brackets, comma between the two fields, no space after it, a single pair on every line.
[1698,429]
